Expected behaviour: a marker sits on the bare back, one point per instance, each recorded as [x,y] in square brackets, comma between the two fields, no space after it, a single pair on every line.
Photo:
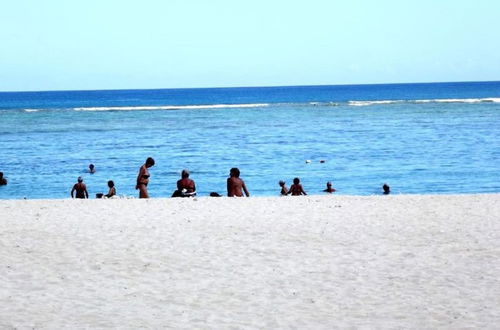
[80,189]
[297,190]
[236,187]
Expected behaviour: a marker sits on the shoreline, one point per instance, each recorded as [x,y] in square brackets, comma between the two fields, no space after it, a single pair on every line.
[323,195]
[394,261]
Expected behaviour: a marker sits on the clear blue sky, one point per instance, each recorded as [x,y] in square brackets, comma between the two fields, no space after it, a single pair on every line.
[60,45]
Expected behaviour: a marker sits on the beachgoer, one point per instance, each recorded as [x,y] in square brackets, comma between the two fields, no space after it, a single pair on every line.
[296,188]
[284,189]
[80,188]
[143,178]
[386,188]
[3,181]
[91,169]
[185,186]
[236,186]
[112,189]
[329,189]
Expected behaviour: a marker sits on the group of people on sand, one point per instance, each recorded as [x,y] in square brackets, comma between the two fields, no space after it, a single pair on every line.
[80,190]
[186,187]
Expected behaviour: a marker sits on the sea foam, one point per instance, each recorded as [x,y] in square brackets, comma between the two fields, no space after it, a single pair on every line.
[365,103]
[473,100]
[470,100]
[173,107]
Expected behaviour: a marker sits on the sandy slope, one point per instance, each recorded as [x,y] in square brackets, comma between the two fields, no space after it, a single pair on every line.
[315,262]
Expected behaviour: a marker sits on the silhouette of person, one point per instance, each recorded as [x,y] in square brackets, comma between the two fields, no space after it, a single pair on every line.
[386,188]
[296,188]
[112,189]
[329,189]
[185,186]
[235,185]
[3,181]
[284,189]
[80,188]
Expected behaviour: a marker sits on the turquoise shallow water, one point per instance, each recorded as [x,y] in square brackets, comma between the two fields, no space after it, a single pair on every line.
[425,138]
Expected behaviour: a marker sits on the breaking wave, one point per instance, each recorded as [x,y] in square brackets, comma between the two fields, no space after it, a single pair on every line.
[356,103]
[173,107]
[365,103]
[471,100]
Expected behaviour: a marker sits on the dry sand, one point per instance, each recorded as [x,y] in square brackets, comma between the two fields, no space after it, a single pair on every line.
[314,262]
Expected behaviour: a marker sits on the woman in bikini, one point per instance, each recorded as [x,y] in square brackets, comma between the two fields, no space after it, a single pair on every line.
[143,178]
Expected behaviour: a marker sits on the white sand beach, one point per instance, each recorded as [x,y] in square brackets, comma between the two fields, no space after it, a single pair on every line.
[313,262]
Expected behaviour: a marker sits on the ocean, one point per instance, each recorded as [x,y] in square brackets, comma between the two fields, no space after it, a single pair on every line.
[429,138]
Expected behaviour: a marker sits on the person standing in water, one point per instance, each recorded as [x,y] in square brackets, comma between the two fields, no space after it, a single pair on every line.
[143,178]
[80,188]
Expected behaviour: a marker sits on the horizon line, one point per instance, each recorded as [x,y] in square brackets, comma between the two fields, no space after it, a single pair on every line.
[236,87]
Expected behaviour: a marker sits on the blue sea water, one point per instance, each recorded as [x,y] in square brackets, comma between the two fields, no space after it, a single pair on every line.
[419,138]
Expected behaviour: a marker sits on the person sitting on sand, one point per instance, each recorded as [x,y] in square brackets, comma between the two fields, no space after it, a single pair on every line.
[91,169]
[329,189]
[185,186]
[386,188]
[296,188]
[80,188]
[143,178]
[284,189]
[3,181]
[112,189]
[235,185]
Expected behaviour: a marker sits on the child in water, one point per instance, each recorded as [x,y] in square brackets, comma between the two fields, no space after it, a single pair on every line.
[284,189]
[296,188]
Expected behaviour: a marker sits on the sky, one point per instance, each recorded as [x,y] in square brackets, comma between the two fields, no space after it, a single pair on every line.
[108,44]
